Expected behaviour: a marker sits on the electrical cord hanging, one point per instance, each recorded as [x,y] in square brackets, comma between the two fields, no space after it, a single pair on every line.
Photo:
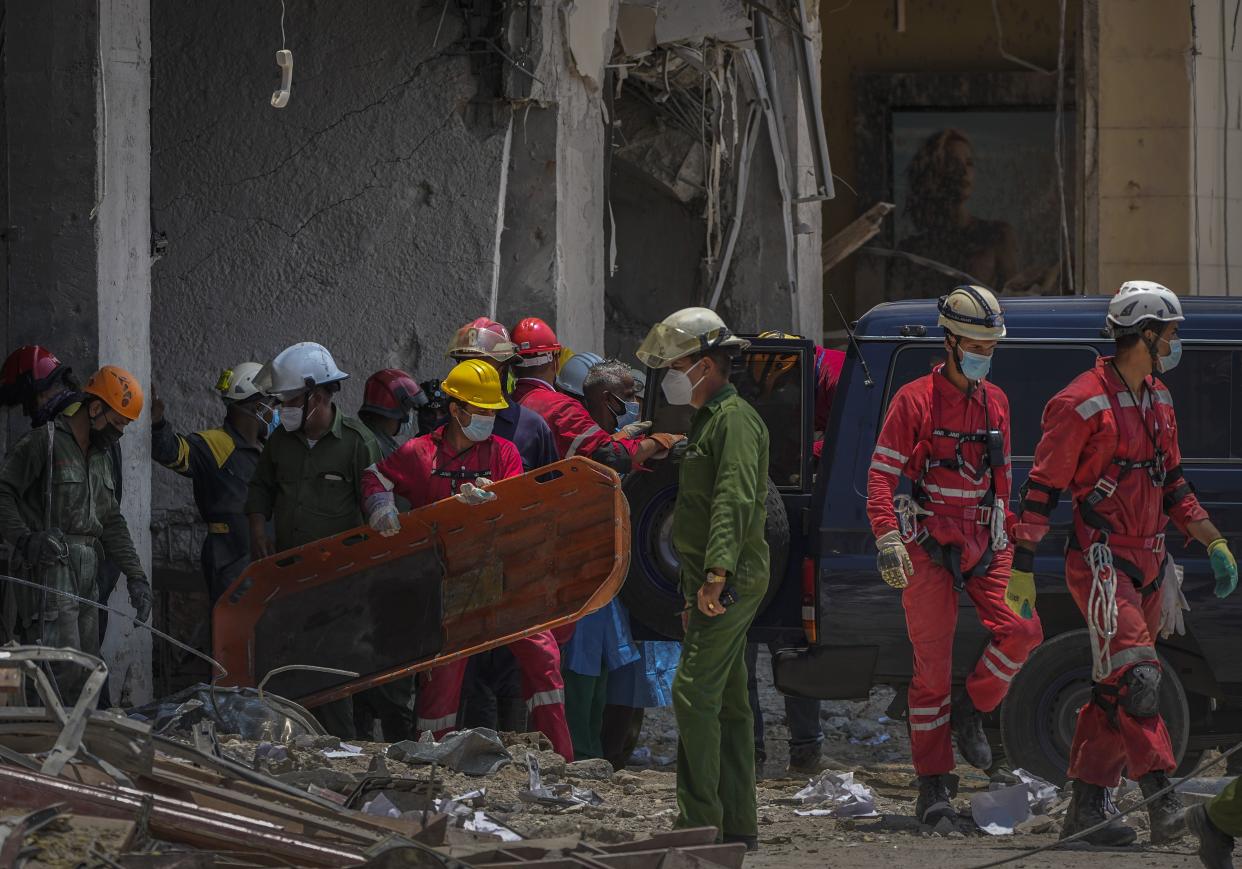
[1082,834]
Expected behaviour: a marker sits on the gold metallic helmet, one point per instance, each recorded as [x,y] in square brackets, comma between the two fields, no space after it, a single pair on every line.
[972,312]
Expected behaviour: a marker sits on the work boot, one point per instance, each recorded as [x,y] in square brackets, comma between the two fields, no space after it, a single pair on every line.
[1215,847]
[805,760]
[967,725]
[935,799]
[1167,814]
[1086,809]
[751,842]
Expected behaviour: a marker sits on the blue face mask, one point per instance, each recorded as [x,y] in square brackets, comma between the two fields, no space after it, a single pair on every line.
[975,366]
[632,412]
[1168,363]
[274,422]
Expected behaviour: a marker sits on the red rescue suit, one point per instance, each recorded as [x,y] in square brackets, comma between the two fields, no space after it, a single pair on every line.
[828,365]
[425,470]
[936,435]
[1121,464]
[575,432]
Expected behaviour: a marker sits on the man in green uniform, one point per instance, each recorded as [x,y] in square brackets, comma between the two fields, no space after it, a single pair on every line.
[718,526]
[307,479]
[1217,823]
[220,461]
[62,540]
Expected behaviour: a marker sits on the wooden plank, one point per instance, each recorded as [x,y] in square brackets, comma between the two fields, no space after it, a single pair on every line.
[729,856]
[671,839]
[854,236]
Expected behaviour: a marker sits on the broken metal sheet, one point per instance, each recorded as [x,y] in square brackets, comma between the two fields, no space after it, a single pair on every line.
[559,534]
[13,832]
[175,820]
[477,751]
[242,711]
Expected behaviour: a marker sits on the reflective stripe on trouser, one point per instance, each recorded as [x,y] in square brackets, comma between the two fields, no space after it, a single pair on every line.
[1225,809]
[931,606]
[716,751]
[1101,751]
[539,661]
[64,621]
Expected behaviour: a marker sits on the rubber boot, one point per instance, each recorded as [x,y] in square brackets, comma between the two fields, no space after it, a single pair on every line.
[1167,813]
[935,800]
[1086,809]
[967,723]
[1215,847]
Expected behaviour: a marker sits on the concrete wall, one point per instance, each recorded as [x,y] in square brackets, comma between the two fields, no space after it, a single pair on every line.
[361,216]
[1215,150]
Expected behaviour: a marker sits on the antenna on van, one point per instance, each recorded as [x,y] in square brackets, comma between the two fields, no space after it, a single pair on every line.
[868,381]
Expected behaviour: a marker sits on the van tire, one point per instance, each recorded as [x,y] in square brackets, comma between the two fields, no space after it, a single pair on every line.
[1038,716]
[652,587]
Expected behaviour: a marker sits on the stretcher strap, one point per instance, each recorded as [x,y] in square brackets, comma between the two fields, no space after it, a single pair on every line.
[1101,609]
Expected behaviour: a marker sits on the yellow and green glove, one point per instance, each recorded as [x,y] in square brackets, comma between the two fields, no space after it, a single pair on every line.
[1224,567]
[1020,592]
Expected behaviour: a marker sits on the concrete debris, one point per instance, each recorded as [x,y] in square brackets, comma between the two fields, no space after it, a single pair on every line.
[123,794]
[478,751]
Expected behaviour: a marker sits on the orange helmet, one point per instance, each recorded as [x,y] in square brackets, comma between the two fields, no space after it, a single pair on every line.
[536,342]
[118,389]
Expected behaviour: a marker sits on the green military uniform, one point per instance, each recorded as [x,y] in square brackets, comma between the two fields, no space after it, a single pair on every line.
[393,702]
[85,509]
[1225,810]
[718,521]
[312,491]
[220,462]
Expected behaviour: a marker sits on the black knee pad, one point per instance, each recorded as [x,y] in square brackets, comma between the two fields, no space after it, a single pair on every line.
[1142,696]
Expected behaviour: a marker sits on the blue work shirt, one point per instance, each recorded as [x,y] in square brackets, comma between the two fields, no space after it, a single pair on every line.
[529,433]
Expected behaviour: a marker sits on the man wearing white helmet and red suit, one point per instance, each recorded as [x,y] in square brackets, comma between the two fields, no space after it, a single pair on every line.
[1110,442]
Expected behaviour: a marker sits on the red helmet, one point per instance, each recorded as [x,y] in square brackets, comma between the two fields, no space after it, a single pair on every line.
[391,393]
[536,342]
[479,338]
[28,371]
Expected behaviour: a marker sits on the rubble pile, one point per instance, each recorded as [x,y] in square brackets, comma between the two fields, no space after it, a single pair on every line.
[168,785]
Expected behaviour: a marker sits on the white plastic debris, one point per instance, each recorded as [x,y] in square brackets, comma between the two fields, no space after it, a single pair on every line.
[481,823]
[836,794]
[999,810]
[346,750]
[1043,794]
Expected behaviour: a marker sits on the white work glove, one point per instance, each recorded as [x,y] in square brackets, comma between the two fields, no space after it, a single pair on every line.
[382,514]
[476,492]
[1172,601]
[633,431]
[894,562]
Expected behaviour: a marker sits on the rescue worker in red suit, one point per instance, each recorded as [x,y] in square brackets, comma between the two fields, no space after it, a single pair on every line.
[460,459]
[576,433]
[1110,441]
[948,432]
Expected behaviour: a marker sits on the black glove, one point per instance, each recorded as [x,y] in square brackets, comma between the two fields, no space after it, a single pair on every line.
[43,548]
[140,598]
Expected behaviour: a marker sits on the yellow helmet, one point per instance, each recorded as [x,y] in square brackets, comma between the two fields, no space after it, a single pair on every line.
[475,383]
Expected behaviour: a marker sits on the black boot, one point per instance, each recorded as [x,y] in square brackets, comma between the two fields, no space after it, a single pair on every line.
[805,760]
[1086,809]
[935,799]
[1167,814]
[1215,847]
[967,724]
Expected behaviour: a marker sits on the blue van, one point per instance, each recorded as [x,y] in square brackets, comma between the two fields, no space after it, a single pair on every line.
[846,629]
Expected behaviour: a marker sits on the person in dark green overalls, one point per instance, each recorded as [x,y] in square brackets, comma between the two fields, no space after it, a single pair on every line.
[718,524]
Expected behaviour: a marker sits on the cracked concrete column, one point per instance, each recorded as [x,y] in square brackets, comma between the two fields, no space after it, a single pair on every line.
[552,251]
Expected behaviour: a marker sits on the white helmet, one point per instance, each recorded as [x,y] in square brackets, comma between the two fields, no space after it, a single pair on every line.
[298,368]
[690,330]
[972,312]
[1139,301]
[238,383]
[574,372]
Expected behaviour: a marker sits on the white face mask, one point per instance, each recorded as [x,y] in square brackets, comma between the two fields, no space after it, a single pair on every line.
[291,418]
[480,427]
[677,387]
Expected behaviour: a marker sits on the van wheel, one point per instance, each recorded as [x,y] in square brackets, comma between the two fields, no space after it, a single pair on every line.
[652,590]
[1041,709]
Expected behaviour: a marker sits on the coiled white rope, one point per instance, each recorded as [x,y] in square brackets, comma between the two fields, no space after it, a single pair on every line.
[1101,609]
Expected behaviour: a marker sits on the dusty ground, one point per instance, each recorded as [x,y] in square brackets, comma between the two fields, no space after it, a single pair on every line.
[642,800]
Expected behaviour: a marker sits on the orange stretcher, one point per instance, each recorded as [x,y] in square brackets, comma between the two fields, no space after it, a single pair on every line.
[457,580]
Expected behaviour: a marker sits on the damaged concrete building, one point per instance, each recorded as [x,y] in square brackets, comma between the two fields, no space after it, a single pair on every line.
[597,163]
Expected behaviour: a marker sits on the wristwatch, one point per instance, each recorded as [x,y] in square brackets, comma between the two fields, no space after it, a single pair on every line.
[714,577]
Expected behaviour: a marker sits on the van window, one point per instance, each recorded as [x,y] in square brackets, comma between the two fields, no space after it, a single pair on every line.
[1030,374]
[773,384]
[1207,402]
